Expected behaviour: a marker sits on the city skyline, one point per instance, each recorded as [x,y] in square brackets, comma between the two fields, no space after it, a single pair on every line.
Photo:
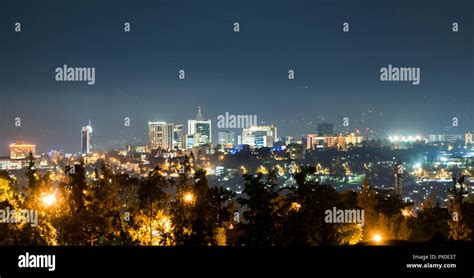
[85,147]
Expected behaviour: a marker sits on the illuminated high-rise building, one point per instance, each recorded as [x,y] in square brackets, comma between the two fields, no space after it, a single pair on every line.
[296,151]
[161,135]
[468,139]
[20,150]
[339,141]
[200,127]
[179,137]
[445,138]
[314,141]
[259,136]
[398,175]
[335,141]
[353,139]
[86,134]
[226,139]
[190,139]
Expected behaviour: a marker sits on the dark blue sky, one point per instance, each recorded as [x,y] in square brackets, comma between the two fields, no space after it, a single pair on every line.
[337,74]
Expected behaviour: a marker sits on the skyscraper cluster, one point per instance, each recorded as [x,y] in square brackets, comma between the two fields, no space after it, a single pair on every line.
[170,136]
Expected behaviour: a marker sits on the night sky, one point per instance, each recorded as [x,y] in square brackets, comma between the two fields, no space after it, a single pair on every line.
[337,74]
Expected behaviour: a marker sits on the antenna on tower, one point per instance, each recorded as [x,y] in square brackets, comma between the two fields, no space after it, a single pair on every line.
[199,116]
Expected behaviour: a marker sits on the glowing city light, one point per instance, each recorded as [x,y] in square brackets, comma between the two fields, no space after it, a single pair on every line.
[406,212]
[48,199]
[403,138]
[295,206]
[377,238]
[188,197]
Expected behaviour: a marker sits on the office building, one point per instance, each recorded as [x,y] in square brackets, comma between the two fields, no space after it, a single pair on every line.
[295,151]
[21,150]
[259,136]
[445,138]
[468,139]
[160,135]
[179,142]
[226,139]
[200,129]
[314,141]
[86,134]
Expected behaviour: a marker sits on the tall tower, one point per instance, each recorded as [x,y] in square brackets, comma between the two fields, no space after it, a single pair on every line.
[468,138]
[398,179]
[86,133]
[200,129]
[161,135]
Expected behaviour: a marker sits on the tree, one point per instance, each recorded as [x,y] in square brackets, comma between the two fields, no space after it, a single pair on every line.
[197,211]
[78,186]
[349,234]
[367,200]
[32,174]
[103,209]
[260,217]
[429,222]
[160,229]
[305,206]
[9,197]
[458,229]
[74,228]
[203,217]
[152,197]
[180,208]
[382,211]
[43,233]
[222,201]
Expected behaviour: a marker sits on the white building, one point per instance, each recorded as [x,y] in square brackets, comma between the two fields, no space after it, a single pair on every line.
[160,135]
[445,138]
[468,139]
[86,133]
[179,137]
[226,138]
[259,136]
[200,129]
[314,141]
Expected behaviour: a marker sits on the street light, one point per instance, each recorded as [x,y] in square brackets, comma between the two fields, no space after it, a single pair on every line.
[188,197]
[295,206]
[377,238]
[49,199]
[406,212]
